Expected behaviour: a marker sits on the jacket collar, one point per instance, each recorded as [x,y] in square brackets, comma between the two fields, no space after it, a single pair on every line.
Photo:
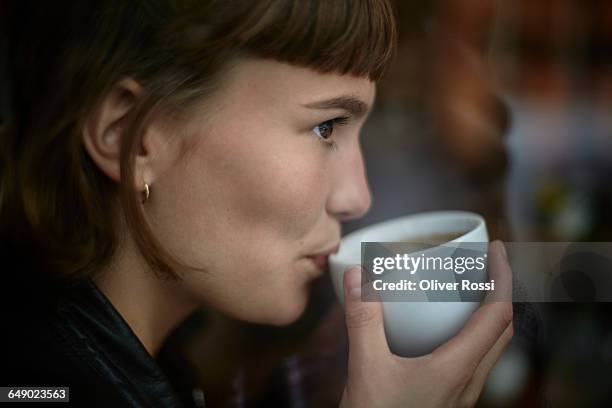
[104,339]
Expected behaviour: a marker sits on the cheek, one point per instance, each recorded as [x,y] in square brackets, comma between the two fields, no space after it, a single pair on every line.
[236,198]
[287,195]
[266,182]
[242,211]
[252,248]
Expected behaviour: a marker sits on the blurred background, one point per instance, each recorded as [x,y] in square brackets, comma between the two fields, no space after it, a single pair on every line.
[495,106]
[499,107]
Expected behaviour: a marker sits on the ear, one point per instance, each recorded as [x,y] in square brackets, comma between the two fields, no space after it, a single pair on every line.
[105,125]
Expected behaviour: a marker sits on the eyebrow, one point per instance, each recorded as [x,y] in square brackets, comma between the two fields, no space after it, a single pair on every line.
[354,106]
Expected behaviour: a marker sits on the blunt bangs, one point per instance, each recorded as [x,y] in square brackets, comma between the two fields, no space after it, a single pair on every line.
[356,37]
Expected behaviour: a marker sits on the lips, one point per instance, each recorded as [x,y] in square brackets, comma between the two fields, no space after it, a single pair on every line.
[320,261]
[332,250]
[320,258]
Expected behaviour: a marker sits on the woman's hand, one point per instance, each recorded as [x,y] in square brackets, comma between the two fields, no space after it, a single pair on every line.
[452,375]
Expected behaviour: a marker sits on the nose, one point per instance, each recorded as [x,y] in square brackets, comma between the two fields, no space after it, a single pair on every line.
[350,195]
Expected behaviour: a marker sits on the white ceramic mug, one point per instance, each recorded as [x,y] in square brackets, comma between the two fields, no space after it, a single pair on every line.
[415,328]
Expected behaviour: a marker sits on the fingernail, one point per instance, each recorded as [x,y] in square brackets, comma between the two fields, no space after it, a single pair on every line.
[502,249]
[353,282]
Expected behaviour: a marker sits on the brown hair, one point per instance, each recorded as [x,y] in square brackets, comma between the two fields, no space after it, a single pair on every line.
[66,55]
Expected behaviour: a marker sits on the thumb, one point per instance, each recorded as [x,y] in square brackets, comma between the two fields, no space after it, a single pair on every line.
[364,319]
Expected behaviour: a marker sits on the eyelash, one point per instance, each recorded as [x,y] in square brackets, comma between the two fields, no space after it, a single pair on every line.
[339,121]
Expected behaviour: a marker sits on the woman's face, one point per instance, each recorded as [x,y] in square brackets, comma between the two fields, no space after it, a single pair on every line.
[272,165]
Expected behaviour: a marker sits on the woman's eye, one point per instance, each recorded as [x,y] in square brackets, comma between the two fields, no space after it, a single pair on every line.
[325,129]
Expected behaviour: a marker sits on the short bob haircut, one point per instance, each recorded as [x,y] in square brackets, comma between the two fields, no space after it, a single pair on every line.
[66,55]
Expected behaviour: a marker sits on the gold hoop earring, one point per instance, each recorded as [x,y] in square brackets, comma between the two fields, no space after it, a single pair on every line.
[146,193]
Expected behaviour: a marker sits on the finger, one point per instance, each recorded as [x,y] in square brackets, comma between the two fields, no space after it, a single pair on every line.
[474,388]
[364,320]
[467,349]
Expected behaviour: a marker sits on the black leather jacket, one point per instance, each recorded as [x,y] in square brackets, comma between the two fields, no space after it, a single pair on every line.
[79,340]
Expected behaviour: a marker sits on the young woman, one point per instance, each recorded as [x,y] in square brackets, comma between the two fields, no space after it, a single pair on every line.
[163,154]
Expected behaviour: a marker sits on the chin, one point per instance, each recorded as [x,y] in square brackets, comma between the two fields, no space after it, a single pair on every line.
[288,313]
